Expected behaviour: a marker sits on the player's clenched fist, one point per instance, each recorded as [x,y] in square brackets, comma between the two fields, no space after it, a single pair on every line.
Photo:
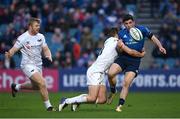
[49,58]
[7,55]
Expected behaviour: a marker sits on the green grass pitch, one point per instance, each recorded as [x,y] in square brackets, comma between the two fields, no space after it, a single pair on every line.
[138,104]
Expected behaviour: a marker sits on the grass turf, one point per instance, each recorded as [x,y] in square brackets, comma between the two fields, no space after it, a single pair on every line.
[138,104]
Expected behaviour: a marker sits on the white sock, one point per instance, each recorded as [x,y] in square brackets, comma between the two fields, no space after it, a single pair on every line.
[47,104]
[96,101]
[18,86]
[78,99]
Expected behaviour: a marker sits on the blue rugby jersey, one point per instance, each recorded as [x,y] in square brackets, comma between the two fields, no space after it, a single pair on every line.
[131,43]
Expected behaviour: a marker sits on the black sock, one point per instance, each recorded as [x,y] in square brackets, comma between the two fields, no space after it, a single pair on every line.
[113,89]
[121,101]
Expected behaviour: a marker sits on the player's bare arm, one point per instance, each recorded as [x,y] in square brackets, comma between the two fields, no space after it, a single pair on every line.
[157,42]
[47,53]
[11,52]
[131,52]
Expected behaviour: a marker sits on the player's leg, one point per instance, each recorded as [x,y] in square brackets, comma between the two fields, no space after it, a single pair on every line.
[101,95]
[37,82]
[131,73]
[101,98]
[28,85]
[129,76]
[93,93]
[128,79]
[93,81]
[35,74]
[97,89]
[113,71]
[83,98]
[90,97]
[40,81]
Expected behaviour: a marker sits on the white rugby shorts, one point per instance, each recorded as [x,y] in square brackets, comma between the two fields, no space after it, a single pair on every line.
[95,78]
[30,69]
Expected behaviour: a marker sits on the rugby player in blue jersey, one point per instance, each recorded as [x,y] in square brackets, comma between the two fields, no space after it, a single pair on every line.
[125,62]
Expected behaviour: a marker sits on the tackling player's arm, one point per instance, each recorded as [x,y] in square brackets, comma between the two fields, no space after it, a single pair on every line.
[131,52]
[47,53]
[11,52]
[157,42]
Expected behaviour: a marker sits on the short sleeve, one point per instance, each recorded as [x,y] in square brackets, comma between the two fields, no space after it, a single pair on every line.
[18,44]
[44,41]
[146,32]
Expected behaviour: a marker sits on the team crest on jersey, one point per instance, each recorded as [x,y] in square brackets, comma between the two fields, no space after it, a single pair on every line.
[28,45]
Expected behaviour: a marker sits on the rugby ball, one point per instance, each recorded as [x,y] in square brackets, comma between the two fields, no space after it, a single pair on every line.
[136,34]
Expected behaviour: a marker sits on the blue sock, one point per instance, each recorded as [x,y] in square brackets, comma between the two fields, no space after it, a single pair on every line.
[113,89]
[121,101]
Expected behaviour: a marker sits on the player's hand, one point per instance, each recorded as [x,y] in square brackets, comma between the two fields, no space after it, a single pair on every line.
[143,53]
[143,49]
[162,50]
[7,55]
[49,58]
[120,44]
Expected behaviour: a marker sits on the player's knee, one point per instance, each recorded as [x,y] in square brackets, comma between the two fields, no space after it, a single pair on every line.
[101,100]
[111,75]
[42,84]
[92,98]
[35,87]
[126,85]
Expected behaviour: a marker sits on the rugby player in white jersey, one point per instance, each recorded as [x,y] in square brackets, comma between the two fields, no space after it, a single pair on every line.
[31,44]
[96,72]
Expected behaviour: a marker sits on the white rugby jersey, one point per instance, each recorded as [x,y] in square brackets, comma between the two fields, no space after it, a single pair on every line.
[31,48]
[107,56]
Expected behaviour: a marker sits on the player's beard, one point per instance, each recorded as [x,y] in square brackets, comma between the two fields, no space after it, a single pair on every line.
[35,31]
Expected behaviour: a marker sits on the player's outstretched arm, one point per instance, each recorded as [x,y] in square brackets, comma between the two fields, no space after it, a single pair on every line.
[157,42]
[131,52]
[11,52]
[47,53]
